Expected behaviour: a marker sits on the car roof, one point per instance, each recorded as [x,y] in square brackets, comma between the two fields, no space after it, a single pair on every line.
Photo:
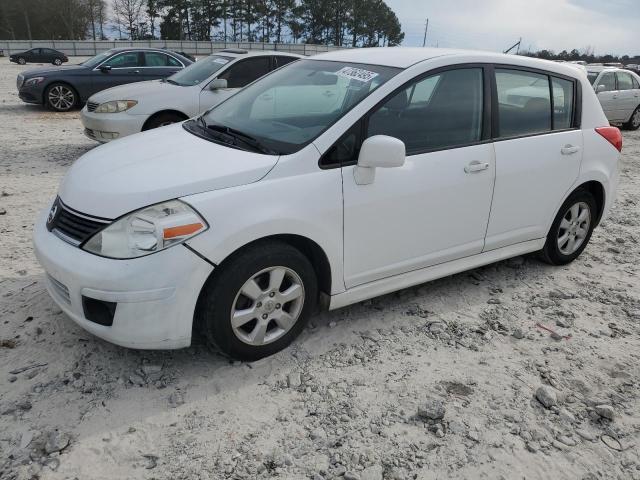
[239,53]
[405,57]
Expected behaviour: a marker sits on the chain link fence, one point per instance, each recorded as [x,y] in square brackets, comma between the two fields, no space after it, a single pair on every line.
[90,47]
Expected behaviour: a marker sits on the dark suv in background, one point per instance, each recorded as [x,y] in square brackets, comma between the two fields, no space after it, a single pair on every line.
[39,55]
[62,89]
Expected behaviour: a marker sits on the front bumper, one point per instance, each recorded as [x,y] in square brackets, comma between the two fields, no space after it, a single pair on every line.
[105,127]
[155,295]
[31,94]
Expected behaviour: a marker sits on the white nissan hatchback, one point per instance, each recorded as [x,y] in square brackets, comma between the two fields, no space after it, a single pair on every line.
[329,181]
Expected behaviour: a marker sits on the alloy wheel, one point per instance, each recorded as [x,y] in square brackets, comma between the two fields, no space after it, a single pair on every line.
[267,306]
[635,119]
[57,61]
[574,228]
[22,61]
[61,98]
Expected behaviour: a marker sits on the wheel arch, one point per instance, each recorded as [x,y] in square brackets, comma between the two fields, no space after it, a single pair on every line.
[145,126]
[597,190]
[308,247]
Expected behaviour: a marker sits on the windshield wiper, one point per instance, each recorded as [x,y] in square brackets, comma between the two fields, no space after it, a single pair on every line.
[238,135]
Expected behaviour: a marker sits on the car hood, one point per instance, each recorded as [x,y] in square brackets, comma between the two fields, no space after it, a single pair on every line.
[150,167]
[134,91]
[34,72]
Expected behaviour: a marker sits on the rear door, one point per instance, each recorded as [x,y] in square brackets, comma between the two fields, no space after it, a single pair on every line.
[126,67]
[538,153]
[237,75]
[159,65]
[627,100]
[35,55]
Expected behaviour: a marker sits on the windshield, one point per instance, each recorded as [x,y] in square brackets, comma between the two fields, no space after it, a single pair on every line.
[292,106]
[592,76]
[199,71]
[93,61]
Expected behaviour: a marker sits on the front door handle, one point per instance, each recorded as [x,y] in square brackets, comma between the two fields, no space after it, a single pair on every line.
[476,166]
[136,71]
[569,150]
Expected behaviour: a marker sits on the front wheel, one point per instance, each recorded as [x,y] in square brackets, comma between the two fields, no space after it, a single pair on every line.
[634,121]
[259,301]
[21,61]
[162,120]
[60,97]
[57,62]
[571,229]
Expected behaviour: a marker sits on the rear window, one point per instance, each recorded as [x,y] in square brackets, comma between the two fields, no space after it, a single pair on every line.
[526,105]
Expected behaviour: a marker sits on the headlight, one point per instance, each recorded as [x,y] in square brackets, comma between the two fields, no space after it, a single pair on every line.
[147,231]
[33,81]
[116,106]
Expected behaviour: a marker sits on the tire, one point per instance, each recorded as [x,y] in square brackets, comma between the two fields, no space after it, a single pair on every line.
[162,119]
[266,309]
[22,61]
[634,121]
[574,223]
[60,97]
[57,62]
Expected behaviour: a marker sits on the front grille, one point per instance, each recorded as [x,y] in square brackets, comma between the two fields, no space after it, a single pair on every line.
[71,226]
[19,81]
[91,106]
[60,289]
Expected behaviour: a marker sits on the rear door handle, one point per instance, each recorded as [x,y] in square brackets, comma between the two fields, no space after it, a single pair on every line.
[476,166]
[136,71]
[569,150]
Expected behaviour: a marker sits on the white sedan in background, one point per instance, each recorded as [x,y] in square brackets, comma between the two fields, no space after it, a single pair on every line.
[619,93]
[128,109]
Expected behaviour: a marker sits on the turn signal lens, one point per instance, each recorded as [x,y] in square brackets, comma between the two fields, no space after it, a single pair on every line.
[612,135]
[182,230]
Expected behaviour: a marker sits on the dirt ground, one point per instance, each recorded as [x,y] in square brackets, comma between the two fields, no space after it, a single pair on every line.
[438,381]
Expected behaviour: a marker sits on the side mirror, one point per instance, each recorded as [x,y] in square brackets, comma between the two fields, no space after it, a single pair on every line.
[601,88]
[218,84]
[379,151]
[105,68]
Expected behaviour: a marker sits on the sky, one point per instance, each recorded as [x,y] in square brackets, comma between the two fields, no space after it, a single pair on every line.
[607,26]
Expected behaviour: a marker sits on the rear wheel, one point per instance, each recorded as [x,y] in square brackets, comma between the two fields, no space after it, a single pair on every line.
[163,119]
[571,229]
[60,97]
[57,61]
[259,301]
[21,61]
[634,121]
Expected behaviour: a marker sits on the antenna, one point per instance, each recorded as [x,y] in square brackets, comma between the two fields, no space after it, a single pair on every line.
[426,27]
[517,44]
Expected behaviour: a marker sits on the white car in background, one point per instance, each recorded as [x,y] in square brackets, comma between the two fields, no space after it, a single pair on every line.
[124,110]
[619,93]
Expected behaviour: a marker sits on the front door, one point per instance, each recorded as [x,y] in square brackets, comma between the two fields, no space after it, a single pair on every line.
[435,208]
[126,67]
[628,94]
[538,155]
[608,95]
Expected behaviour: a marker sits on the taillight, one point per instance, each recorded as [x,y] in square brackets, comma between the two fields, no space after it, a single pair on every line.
[612,135]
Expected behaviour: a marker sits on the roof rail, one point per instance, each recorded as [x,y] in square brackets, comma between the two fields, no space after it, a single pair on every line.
[234,50]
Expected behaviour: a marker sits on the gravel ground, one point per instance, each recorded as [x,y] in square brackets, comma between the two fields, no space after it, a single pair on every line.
[451,379]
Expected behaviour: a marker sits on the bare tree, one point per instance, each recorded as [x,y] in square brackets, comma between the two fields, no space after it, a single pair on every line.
[127,14]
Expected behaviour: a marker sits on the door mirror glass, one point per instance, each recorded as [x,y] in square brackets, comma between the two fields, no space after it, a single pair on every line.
[218,83]
[601,88]
[105,68]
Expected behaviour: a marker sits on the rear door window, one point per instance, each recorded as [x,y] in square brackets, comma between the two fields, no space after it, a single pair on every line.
[441,111]
[563,103]
[156,59]
[625,81]
[246,71]
[524,103]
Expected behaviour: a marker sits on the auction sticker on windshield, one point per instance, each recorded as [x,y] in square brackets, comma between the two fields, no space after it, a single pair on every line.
[357,74]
